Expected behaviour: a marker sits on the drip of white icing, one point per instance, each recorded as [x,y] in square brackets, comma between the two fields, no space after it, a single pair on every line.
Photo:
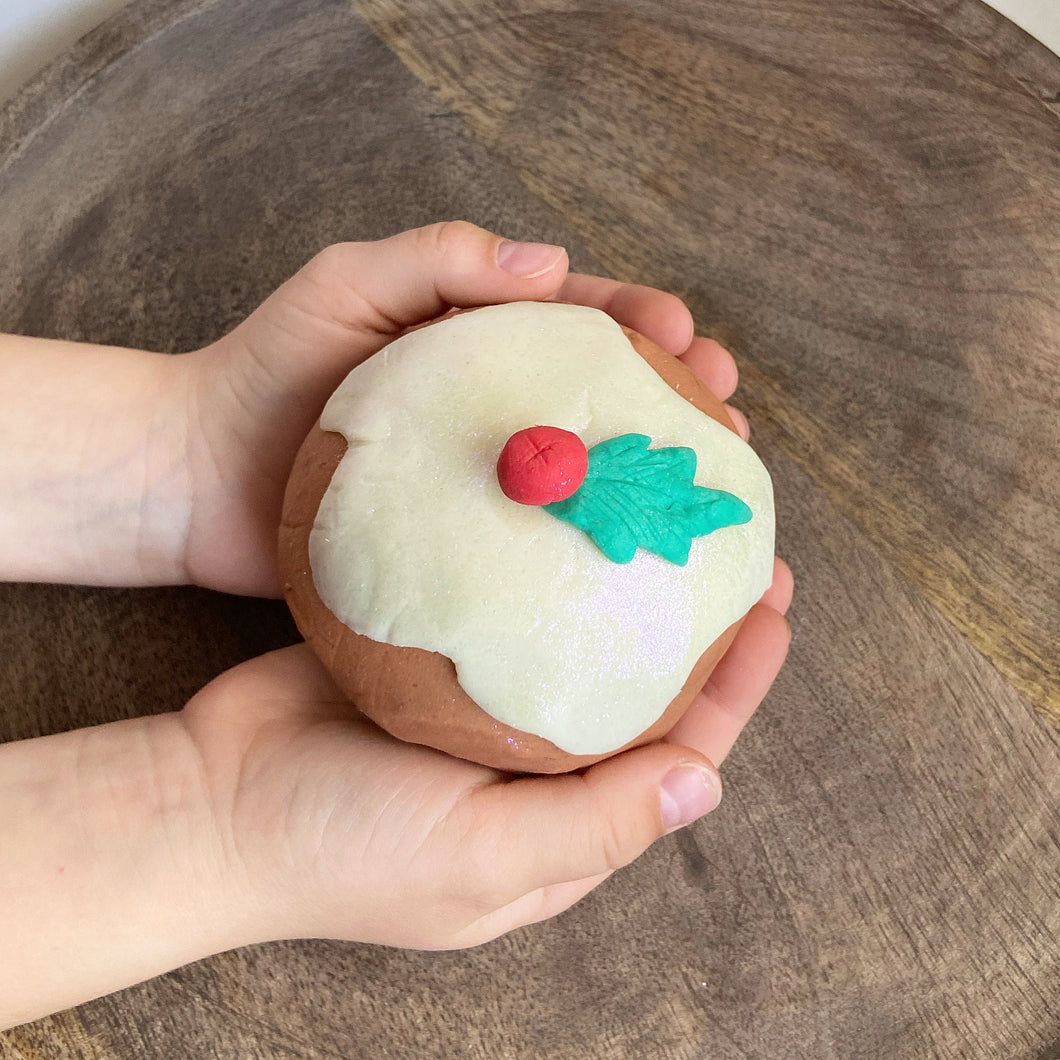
[414,543]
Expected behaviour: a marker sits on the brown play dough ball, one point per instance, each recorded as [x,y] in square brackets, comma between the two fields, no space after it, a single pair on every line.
[412,693]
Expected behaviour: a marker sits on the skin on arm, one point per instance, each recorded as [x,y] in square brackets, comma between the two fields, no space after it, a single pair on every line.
[93,469]
[121,467]
[269,809]
[113,868]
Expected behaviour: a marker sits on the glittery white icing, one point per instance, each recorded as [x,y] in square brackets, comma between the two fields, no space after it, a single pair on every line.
[415,544]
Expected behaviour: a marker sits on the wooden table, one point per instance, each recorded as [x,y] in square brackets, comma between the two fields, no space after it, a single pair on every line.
[860,197]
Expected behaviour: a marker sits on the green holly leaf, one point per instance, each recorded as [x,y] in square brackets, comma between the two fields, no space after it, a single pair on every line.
[634,497]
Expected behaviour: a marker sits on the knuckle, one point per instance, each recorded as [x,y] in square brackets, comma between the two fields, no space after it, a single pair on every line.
[618,839]
[331,261]
[449,237]
[332,284]
[614,846]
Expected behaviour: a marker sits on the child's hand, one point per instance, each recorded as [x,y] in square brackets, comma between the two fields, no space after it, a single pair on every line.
[342,831]
[253,395]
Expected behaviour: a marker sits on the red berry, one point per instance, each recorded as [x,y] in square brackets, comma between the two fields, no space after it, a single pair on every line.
[540,465]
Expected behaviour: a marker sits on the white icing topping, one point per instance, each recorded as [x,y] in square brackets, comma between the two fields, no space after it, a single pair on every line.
[414,543]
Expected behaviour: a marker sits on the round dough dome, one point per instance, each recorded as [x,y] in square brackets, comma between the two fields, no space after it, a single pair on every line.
[456,618]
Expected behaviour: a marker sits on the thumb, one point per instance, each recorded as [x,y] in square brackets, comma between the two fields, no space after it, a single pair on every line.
[584,825]
[353,298]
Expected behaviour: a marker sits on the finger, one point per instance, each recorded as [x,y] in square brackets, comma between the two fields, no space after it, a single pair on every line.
[662,317]
[353,298]
[782,588]
[737,686]
[580,825]
[743,428]
[714,365]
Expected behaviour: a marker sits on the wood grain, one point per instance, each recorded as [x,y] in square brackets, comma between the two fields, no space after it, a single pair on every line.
[861,197]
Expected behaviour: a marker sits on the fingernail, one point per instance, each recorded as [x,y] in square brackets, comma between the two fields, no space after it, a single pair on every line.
[687,793]
[528,259]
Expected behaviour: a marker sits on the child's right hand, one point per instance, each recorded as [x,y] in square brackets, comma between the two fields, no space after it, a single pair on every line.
[339,830]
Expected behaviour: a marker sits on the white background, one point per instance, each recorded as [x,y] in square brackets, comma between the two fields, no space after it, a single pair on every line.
[32,32]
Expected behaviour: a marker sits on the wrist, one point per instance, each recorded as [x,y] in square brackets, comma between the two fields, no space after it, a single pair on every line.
[115,869]
[93,464]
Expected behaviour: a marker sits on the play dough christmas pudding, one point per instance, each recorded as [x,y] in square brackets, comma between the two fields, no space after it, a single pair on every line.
[524,535]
